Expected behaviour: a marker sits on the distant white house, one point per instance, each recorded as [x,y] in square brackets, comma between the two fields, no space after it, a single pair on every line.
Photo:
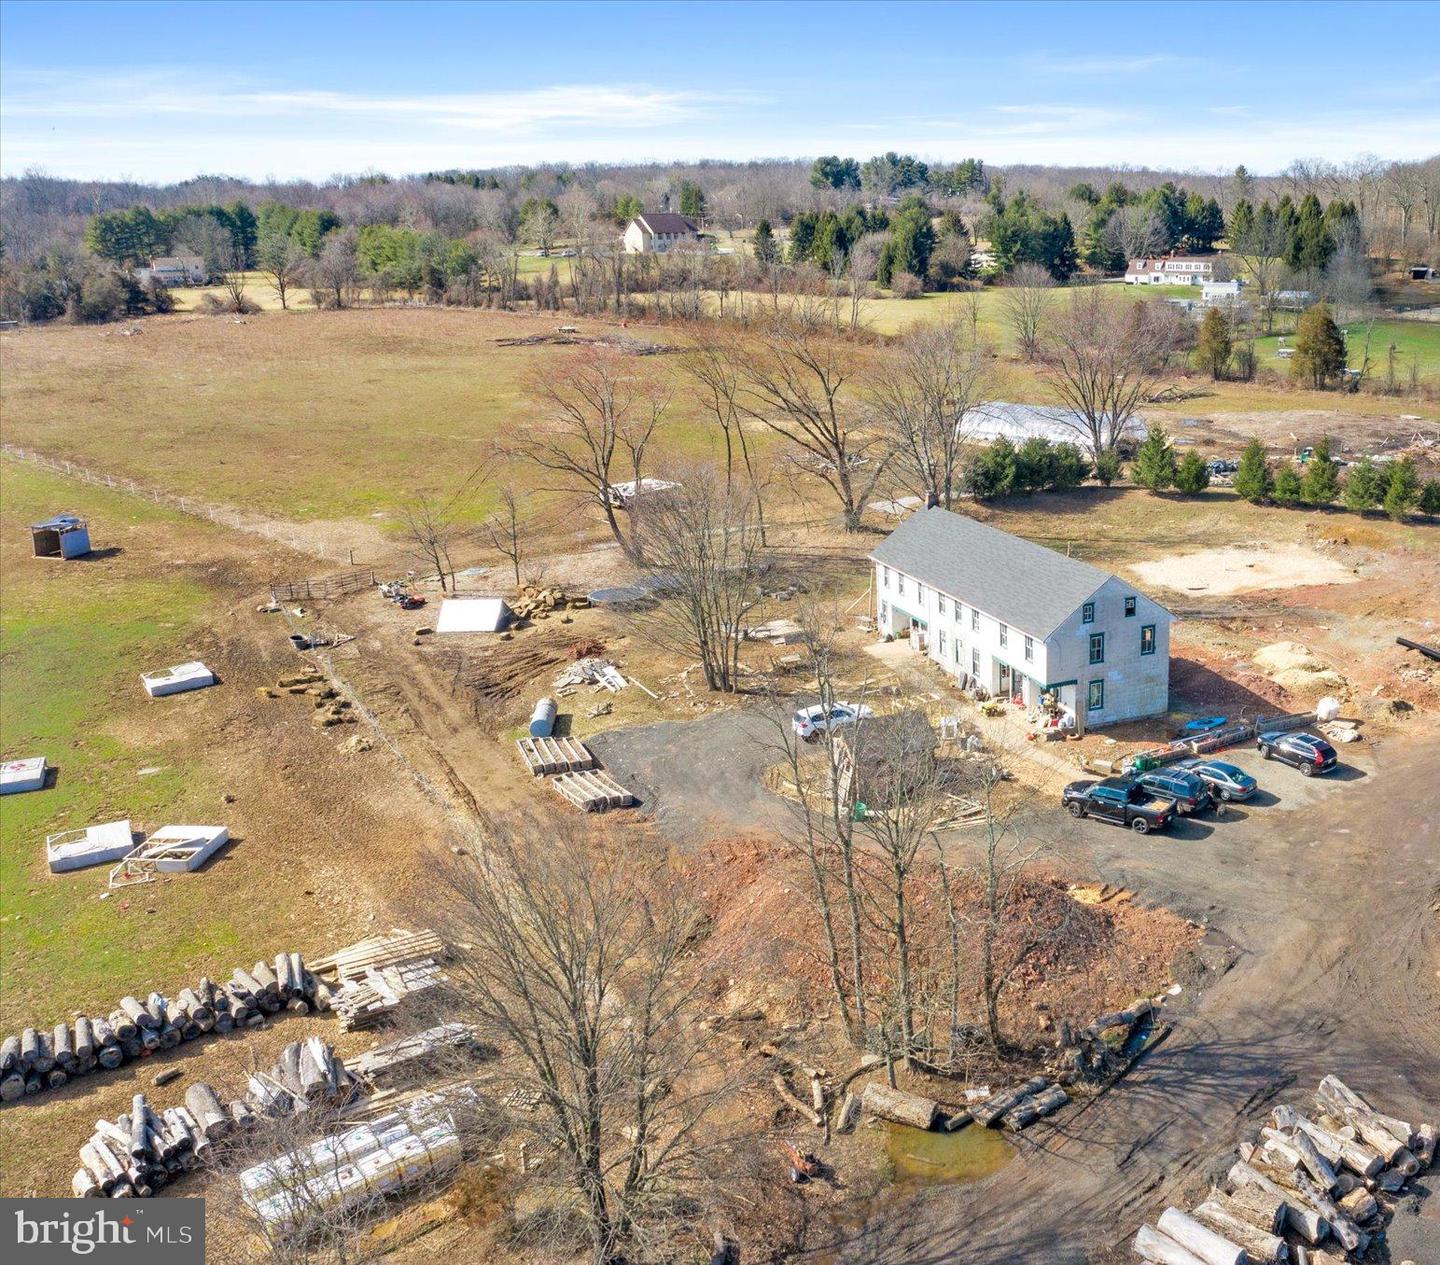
[175,270]
[1221,292]
[653,233]
[1019,620]
[1174,270]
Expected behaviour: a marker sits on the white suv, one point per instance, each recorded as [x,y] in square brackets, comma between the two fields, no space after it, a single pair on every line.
[810,722]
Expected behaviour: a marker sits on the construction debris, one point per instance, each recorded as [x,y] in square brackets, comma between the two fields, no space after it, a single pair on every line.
[1303,1181]
[39,1059]
[423,1049]
[170,850]
[533,602]
[17,776]
[89,845]
[376,975]
[177,680]
[600,674]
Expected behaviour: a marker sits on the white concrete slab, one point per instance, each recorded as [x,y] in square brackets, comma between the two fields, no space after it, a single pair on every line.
[90,845]
[177,680]
[22,775]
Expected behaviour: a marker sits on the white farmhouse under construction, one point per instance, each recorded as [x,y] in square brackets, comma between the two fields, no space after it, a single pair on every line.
[1020,620]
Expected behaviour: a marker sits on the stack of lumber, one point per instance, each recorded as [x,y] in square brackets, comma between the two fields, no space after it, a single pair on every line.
[592,791]
[376,975]
[40,1059]
[344,1172]
[423,1049]
[543,756]
[1328,1177]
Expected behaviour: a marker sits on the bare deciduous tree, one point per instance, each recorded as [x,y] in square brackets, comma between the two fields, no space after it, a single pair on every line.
[283,260]
[1026,297]
[795,377]
[712,367]
[703,544]
[571,960]
[506,528]
[432,526]
[1103,358]
[602,419]
[922,396]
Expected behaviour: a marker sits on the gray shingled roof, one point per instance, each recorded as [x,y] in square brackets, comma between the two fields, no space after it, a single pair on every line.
[666,222]
[1019,583]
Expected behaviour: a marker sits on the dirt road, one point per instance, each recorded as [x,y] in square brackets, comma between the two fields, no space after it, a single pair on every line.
[1330,894]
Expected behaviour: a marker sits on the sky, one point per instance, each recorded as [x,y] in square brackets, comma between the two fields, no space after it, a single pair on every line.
[159,92]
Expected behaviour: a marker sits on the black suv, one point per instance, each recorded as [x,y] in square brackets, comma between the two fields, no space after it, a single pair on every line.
[1190,793]
[1121,800]
[1309,753]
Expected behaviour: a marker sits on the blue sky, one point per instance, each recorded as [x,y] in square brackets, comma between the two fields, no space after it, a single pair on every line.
[162,91]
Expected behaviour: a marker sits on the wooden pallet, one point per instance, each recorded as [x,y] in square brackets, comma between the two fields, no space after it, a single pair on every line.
[592,791]
[554,755]
[396,949]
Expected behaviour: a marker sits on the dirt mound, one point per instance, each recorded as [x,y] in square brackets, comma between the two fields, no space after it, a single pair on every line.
[1292,666]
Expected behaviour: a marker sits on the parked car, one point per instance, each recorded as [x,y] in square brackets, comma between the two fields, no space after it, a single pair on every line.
[1309,753]
[1220,465]
[1190,793]
[1121,800]
[1225,780]
[810,722]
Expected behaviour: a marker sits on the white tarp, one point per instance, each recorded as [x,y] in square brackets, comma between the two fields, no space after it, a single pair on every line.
[90,845]
[22,775]
[1019,422]
[472,614]
[176,680]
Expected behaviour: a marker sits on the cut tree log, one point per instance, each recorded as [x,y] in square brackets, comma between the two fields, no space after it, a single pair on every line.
[989,1112]
[1259,1244]
[1306,1222]
[790,1100]
[849,1113]
[1161,1249]
[1253,1206]
[1355,1156]
[1028,1110]
[1213,1248]
[1359,1205]
[1340,1225]
[204,1104]
[1425,1141]
[902,1108]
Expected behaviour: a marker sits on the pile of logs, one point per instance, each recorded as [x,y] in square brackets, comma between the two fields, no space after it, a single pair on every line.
[1306,1180]
[1097,1053]
[1015,1109]
[143,1150]
[40,1059]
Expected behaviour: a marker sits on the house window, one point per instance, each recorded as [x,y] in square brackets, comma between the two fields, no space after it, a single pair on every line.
[957,651]
[939,604]
[885,577]
[1095,701]
[942,643]
[884,612]
[959,612]
[974,621]
[1087,613]
[1097,647]
[1147,639]
[900,585]
[1029,649]
[1129,607]
[974,663]
[1004,634]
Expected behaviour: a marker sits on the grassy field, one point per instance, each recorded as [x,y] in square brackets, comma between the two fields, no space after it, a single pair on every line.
[72,639]
[1416,343]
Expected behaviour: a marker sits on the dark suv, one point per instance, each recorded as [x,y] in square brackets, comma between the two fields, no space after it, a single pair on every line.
[1309,753]
[1120,800]
[1190,793]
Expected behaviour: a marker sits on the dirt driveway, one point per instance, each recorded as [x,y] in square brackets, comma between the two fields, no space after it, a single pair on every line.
[1329,891]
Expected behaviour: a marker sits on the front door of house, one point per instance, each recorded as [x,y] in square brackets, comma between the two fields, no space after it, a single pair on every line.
[1005,680]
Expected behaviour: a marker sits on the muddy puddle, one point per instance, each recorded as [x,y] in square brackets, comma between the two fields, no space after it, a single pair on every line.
[967,1155]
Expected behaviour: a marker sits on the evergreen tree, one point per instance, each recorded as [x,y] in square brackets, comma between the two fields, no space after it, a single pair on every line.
[1310,244]
[1362,486]
[1192,476]
[1403,491]
[1321,484]
[1430,497]
[991,472]
[1068,468]
[1108,467]
[767,250]
[1253,480]
[1288,485]
[692,200]
[1214,345]
[1154,465]
[1319,348]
